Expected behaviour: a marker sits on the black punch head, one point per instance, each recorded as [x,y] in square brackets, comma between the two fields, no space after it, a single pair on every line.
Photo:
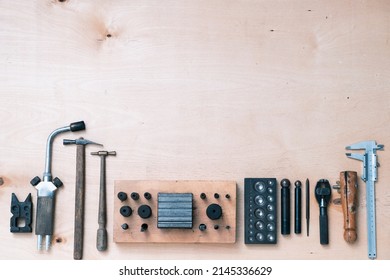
[122,196]
[125,226]
[144,227]
[202,227]
[147,195]
[134,196]
[126,211]
[285,183]
[214,211]
[144,211]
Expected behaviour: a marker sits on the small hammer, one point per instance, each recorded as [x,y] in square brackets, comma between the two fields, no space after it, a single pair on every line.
[101,240]
[80,194]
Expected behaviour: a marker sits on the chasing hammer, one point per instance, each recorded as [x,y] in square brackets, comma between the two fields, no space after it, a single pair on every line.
[80,194]
[101,239]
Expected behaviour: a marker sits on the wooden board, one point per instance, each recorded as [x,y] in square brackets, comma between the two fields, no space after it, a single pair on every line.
[194,90]
[226,232]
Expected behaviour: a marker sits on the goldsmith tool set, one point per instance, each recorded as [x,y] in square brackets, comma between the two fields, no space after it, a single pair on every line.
[197,211]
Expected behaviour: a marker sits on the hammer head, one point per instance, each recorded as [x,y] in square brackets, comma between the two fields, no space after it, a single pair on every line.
[104,153]
[79,141]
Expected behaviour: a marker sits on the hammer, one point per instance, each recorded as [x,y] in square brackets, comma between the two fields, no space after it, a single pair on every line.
[80,194]
[101,240]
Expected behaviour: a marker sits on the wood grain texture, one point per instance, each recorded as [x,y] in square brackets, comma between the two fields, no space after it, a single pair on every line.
[194,90]
[227,223]
[79,204]
[349,195]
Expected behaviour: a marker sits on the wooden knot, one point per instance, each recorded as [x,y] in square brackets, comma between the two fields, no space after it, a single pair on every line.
[59,240]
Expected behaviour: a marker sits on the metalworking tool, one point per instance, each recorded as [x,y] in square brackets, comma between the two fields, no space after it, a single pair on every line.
[101,240]
[370,176]
[46,189]
[80,194]
[323,193]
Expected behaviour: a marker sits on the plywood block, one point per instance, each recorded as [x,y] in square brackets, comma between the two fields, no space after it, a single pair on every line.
[222,230]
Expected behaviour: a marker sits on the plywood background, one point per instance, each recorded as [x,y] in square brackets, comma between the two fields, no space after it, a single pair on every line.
[194,90]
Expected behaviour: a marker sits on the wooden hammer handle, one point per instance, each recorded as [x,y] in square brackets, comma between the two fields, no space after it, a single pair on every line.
[79,203]
[349,193]
[101,237]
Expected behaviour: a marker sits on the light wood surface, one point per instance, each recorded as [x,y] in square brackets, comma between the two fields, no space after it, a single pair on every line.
[226,232]
[194,90]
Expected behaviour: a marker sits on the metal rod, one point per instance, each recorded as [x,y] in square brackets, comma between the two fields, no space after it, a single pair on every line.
[102,194]
[285,206]
[297,207]
[47,176]
[307,206]
[101,238]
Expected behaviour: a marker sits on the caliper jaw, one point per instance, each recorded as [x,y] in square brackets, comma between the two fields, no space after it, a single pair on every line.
[369,176]
[369,159]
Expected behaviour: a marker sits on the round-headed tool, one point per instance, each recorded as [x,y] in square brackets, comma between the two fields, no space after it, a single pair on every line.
[323,193]
[297,207]
[285,206]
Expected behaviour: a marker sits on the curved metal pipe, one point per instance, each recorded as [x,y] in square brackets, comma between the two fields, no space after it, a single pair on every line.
[47,176]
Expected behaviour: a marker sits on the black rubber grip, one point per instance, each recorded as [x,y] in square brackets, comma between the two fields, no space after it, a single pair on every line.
[45,214]
[77,126]
[68,141]
[324,235]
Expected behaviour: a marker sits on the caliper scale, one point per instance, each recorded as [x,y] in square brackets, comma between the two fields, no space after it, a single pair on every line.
[370,176]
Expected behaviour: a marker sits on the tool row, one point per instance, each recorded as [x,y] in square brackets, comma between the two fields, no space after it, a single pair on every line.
[46,189]
[261,205]
[196,211]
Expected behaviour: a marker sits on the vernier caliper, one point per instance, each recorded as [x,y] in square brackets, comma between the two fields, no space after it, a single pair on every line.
[46,189]
[370,175]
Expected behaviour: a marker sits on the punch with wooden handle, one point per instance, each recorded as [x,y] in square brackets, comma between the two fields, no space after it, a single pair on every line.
[348,190]
[80,194]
